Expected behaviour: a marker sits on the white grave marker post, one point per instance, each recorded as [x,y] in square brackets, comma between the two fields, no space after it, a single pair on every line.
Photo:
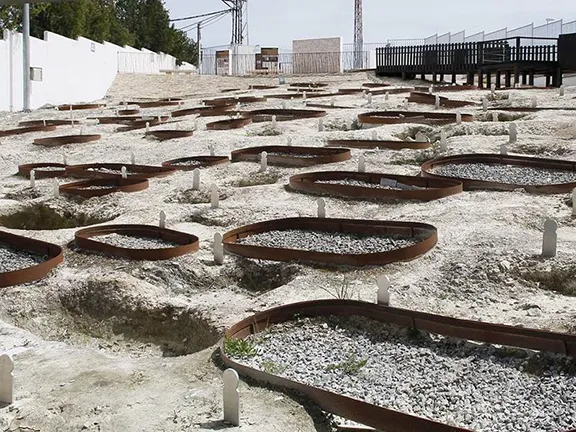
[443,141]
[218,249]
[513,132]
[56,189]
[484,104]
[534,102]
[6,379]
[284,105]
[320,125]
[211,150]
[71,115]
[332,101]
[214,196]
[147,127]
[274,124]
[162,223]
[458,118]
[263,161]
[369,98]
[124,172]
[561,91]
[304,97]
[196,179]
[386,96]
[383,297]
[195,124]
[503,149]
[321,207]
[549,242]
[574,202]
[374,135]
[64,161]
[289,141]
[32,178]
[132,158]
[493,89]
[231,397]
[361,164]
[495,117]
[238,106]
[437,102]
[430,90]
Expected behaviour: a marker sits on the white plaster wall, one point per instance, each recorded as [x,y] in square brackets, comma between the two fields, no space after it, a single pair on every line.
[73,70]
[317,55]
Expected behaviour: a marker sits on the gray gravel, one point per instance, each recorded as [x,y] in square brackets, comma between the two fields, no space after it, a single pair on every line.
[133,242]
[294,155]
[510,174]
[481,387]
[188,163]
[94,187]
[13,259]
[49,168]
[328,242]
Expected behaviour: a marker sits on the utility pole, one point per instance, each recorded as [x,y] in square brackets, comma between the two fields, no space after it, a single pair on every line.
[358,36]
[199,45]
[26,56]
[239,28]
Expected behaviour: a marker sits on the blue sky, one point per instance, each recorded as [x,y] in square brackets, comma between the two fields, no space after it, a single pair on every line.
[278,22]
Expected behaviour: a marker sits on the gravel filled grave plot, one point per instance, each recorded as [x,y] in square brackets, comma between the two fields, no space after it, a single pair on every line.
[327,242]
[476,386]
[134,242]
[13,259]
[357,183]
[510,174]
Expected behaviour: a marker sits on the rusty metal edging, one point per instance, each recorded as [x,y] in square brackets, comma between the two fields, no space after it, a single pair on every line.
[207,111]
[326,155]
[29,129]
[127,112]
[434,188]
[66,139]
[188,243]
[471,184]
[234,100]
[156,104]
[380,144]
[531,109]
[130,120]
[30,274]
[352,226]
[144,171]
[236,123]
[447,88]
[430,99]
[75,107]
[394,117]
[51,122]
[164,135]
[375,85]
[282,114]
[308,84]
[262,87]
[329,106]
[205,161]
[24,170]
[118,185]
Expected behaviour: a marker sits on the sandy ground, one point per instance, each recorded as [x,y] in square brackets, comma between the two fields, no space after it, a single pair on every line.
[104,344]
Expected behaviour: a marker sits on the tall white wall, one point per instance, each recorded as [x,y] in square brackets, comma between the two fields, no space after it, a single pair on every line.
[72,70]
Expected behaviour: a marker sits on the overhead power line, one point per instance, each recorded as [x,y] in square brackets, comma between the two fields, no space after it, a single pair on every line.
[200,16]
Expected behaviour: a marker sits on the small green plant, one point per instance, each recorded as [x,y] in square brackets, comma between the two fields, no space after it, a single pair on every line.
[350,366]
[240,348]
[257,179]
[272,367]
[342,292]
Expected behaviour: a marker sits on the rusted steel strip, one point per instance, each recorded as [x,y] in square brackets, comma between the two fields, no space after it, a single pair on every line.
[52,122]
[425,189]
[351,91]
[329,106]
[372,415]
[75,107]
[394,117]
[396,90]
[308,84]
[24,170]
[427,233]
[203,161]
[236,123]
[134,171]
[380,144]
[53,253]
[430,99]
[262,87]
[141,124]
[497,159]
[263,115]
[187,243]
[447,88]
[289,155]
[129,120]
[112,185]
[230,90]
[163,135]
[156,104]
[375,85]
[234,100]
[531,109]
[204,111]
[127,112]
[29,129]
[66,139]
[300,95]
[305,90]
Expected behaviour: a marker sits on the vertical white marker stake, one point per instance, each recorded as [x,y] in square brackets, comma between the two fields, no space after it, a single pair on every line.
[458,117]
[386,96]
[362,164]
[321,207]
[550,239]
[274,124]
[162,223]
[6,379]
[534,102]
[349,125]
[437,102]
[493,89]
[503,149]
[484,104]
[369,98]
[124,103]
[374,135]
[574,202]
[332,101]
[430,90]
[124,172]
[71,111]
[32,178]
[218,249]
[132,158]
[238,106]
[263,161]
[383,297]
[231,397]
[196,179]
[304,97]
[495,117]
[56,189]
[64,159]
[81,130]
[364,94]
[284,106]
[561,91]
[159,119]
[147,127]
[320,125]
[289,141]
[513,132]
[443,141]
[211,150]
[44,122]
[195,124]
[214,196]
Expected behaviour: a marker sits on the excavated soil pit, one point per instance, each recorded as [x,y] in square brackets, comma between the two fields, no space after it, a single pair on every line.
[42,217]
[261,276]
[43,170]
[292,156]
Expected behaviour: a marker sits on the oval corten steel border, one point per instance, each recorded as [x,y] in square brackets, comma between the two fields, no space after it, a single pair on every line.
[447,88]
[164,135]
[208,111]
[28,129]
[372,415]
[329,106]
[141,171]
[428,233]
[66,139]
[427,189]
[308,84]
[116,185]
[375,85]
[204,161]
[430,99]
[263,115]
[262,87]
[532,109]
[187,243]
[497,159]
[24,170]
[141,124]
[395,117]
[127,112]
[235,123]
[30,274]
[234,100]
[380,144]
[156,104]
[75,107]
[325,155]
[51,122]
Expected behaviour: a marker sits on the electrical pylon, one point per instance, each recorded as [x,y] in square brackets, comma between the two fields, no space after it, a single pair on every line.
[358,36]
